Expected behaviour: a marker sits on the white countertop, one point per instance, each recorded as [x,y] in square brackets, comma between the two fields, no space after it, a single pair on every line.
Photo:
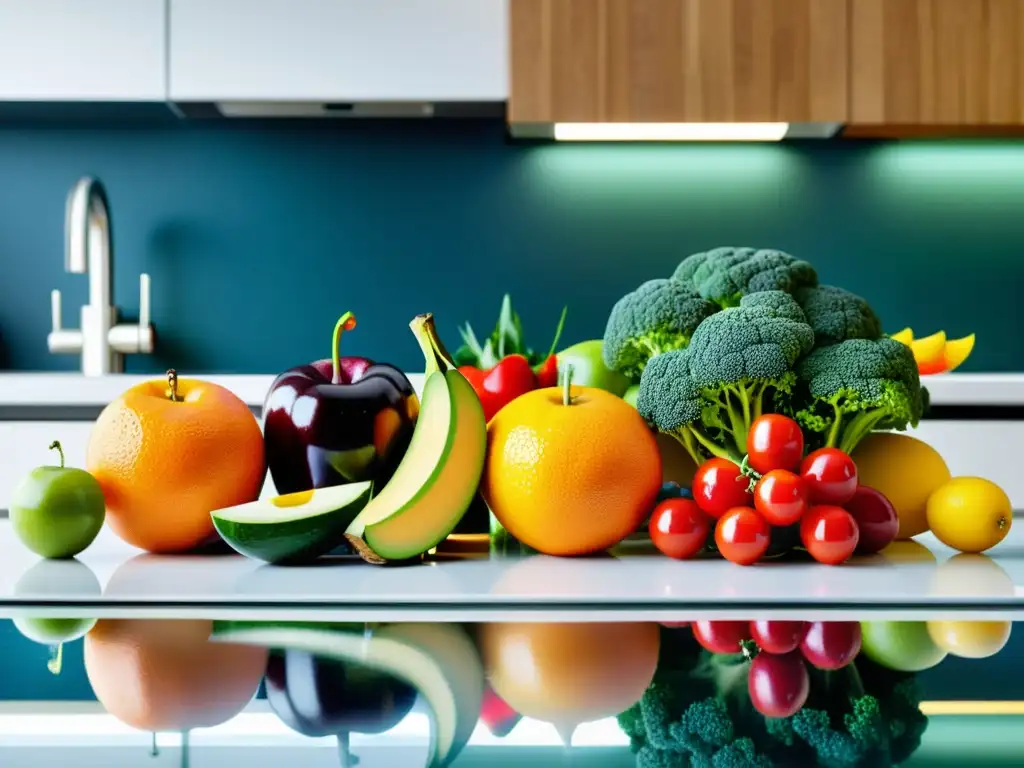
[112,579]
[75,389]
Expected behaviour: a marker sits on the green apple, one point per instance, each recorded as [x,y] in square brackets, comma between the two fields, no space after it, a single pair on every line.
[588,368]
[57,511]
[905,646]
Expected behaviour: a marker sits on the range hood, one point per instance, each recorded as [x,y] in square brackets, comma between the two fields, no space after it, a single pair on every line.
[339,59]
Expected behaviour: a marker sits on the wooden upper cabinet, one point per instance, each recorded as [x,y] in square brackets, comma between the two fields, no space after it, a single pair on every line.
[936,62]
[679,60]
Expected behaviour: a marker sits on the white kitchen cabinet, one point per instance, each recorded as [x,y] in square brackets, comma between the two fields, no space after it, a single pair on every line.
[83,50]
[338,50]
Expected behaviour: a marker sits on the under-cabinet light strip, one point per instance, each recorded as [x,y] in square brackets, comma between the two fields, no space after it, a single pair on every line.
[670,131]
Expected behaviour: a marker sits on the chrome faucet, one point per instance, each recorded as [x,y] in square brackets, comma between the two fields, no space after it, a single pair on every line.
[100,340]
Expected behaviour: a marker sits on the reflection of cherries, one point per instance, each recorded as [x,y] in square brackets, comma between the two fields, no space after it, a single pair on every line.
[831,644]
[721,636]
[777,636]
[778,683]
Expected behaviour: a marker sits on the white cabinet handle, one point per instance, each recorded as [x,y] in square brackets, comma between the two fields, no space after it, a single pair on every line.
[143,300]
[55,314]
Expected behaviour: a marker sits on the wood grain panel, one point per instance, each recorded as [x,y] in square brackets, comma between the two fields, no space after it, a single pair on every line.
[678,60]
[936,62]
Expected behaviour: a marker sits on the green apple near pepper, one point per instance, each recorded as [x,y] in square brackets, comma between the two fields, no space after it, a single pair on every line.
[57,511]
[588,368]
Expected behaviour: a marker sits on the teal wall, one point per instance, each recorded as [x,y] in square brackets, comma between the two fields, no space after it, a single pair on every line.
[257,236]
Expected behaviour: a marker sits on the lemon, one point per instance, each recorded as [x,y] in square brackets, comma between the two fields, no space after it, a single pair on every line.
[906,471]
[970,514]
[970,639]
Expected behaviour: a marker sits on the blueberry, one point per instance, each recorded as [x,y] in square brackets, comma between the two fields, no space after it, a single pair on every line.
[685,493]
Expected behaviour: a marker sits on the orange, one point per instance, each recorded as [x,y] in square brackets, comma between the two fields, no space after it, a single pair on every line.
[570,475]
[567,674]
[164,464]
[166,675]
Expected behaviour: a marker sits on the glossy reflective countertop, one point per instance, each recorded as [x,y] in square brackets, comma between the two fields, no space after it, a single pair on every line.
[198,692]
[112,579]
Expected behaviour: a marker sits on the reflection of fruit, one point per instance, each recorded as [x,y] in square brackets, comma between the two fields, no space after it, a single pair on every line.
[935,353]
[970,514]
[497,715]
[437,660]
[908,551]
[567,674]
[970,575]
[339,420]
[318,696]
[166,456]
[778,684]
[588,368]
[166,675]
[57,511]
[439,474]
[295,527]
[570,471]
[831,644]
[47,631]
[970,639]
[876,518]
[906,471]
[777,636]
[720,636]
[905,646]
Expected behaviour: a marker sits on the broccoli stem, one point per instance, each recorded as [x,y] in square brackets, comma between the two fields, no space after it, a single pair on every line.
[833,433]
[686,439]
[858,427]
[713,448]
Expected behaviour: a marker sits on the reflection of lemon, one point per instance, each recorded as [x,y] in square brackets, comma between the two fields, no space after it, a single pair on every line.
[970,639]
[970,514]
[567,674]
[968,575]
[908,551]
[906,471]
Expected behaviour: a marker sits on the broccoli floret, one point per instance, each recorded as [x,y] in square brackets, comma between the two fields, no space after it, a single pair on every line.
[657,317]
[739,360]
[837,315]
[725,275]
[856,386]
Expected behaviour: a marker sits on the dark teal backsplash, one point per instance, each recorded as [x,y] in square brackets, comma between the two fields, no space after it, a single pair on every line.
[257,236]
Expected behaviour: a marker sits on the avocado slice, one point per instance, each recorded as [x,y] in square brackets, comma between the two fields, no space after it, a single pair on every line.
[296,527]
[438,477]
[438,660]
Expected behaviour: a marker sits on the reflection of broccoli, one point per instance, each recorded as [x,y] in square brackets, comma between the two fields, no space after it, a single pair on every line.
[837,315]
[852,388]
[725,275]
[659,316]
[708,395]
[697,712]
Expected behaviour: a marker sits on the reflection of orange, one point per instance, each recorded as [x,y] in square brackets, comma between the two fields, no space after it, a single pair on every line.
[570,475]
[567,674]
[165,464]
[167,675]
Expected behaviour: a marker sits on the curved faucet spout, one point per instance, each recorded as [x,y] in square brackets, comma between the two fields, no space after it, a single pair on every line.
[89,242]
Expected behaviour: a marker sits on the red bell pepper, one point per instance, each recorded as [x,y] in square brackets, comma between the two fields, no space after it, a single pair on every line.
[503,368]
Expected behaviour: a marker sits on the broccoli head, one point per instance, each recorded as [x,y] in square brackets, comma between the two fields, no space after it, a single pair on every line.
[708,395]
[859,385]
[837,315]
[657,317]
[725,275]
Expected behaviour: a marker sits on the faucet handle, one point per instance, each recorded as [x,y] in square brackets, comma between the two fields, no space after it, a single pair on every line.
[144,284]
[55,313]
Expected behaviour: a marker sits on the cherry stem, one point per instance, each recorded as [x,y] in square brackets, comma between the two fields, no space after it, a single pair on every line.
[749,649]
[345,323]
[567,386]
[172,385]
[55,446]
[748,471]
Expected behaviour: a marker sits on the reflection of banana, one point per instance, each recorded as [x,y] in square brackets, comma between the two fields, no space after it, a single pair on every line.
[936,353]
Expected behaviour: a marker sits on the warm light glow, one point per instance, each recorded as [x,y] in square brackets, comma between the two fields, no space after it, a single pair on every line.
[670,131]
